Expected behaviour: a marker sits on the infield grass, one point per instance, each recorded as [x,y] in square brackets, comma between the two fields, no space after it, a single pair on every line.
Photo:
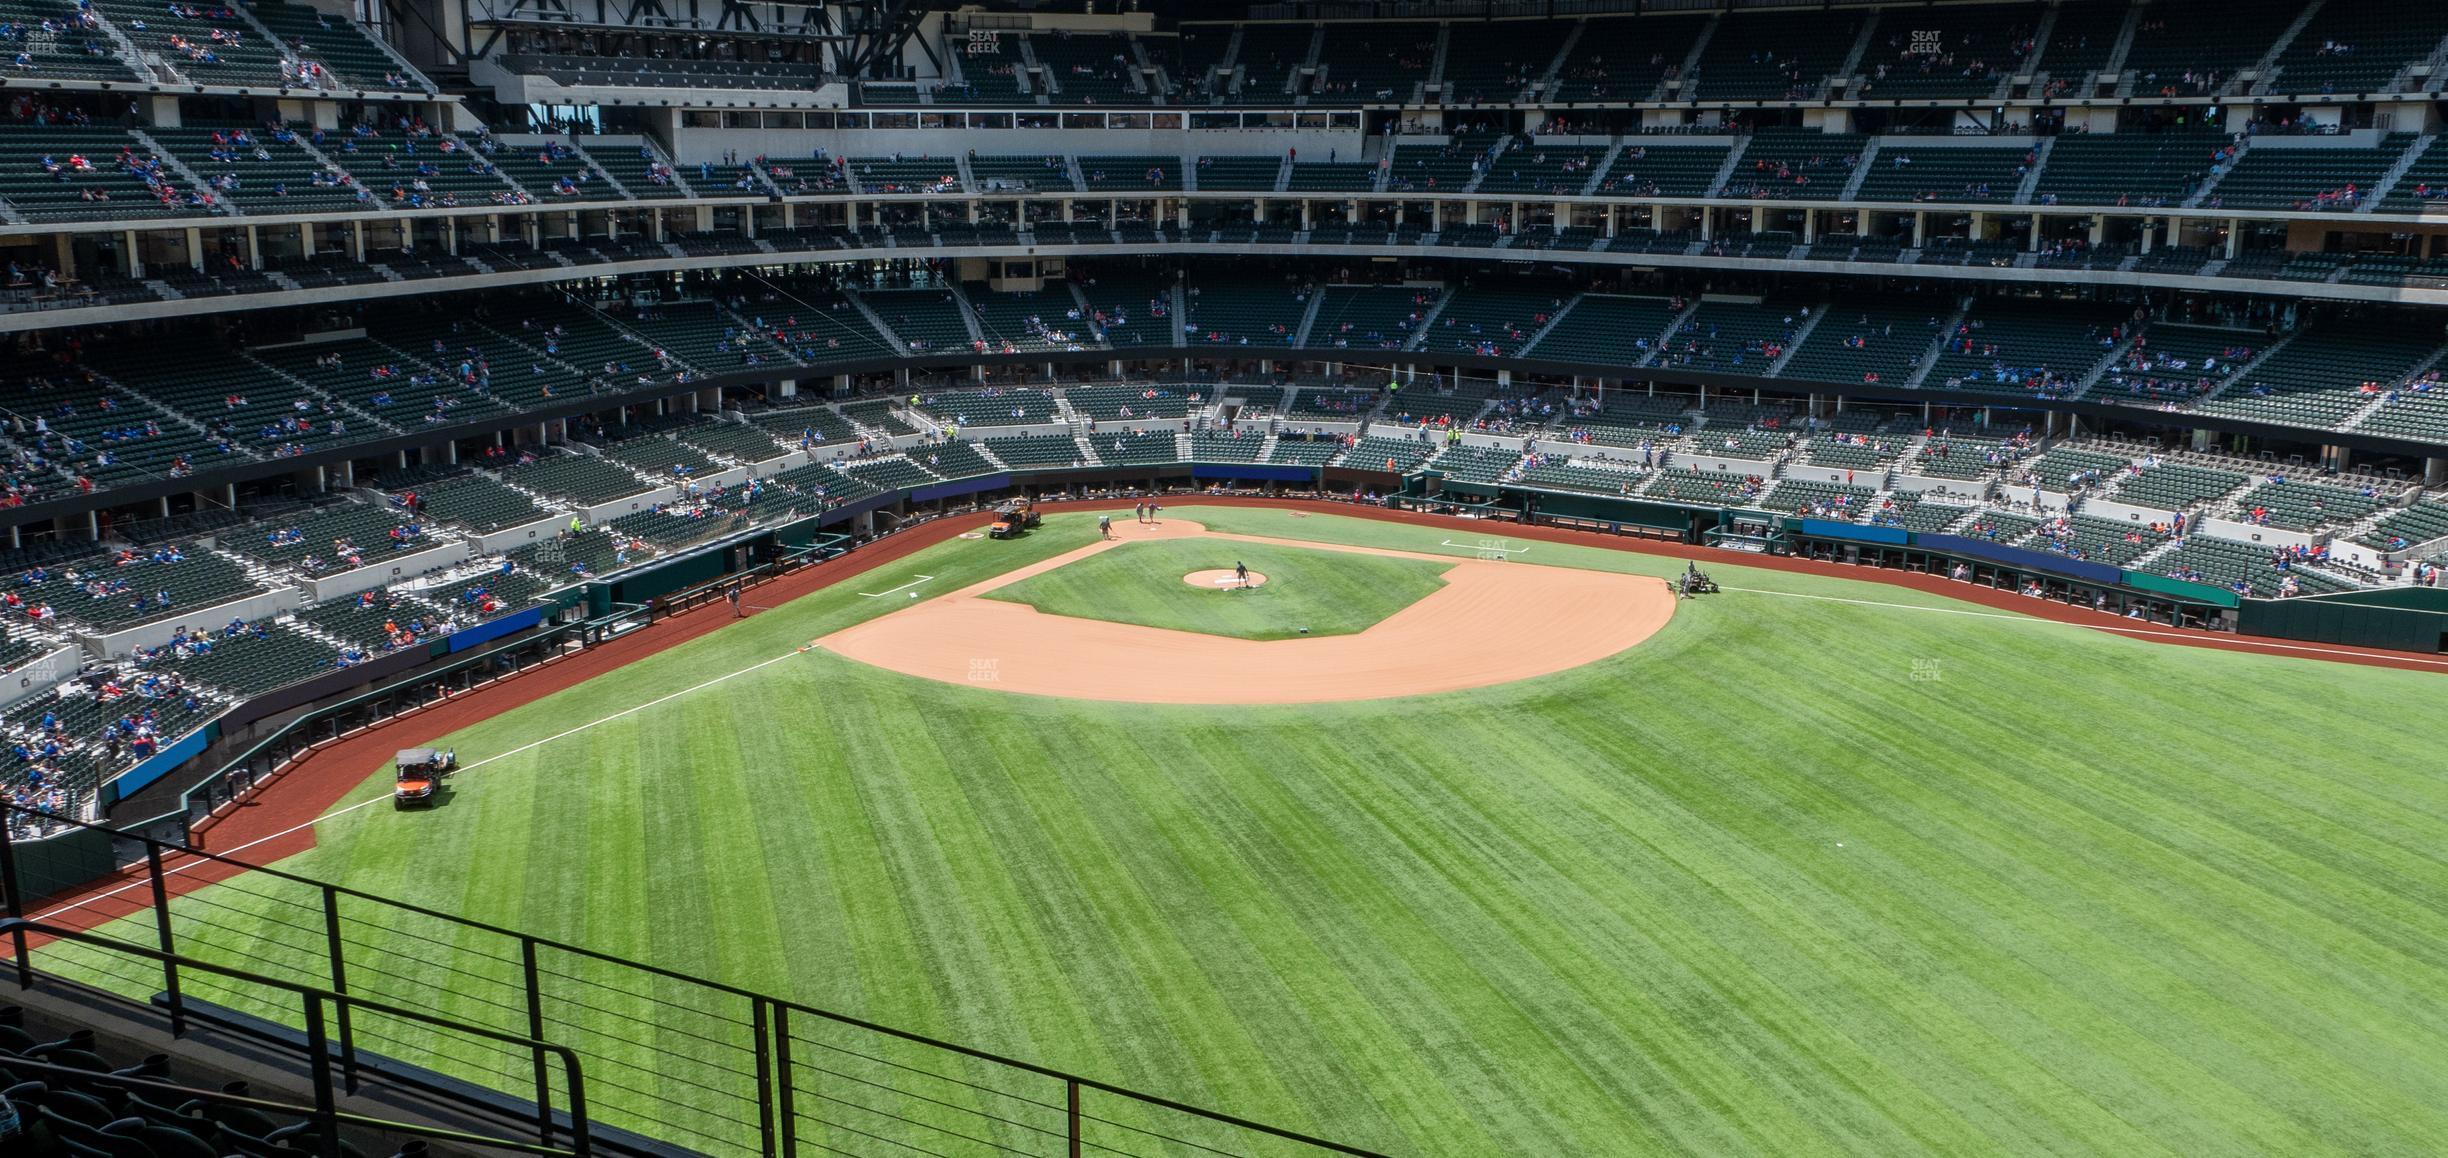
[1825,867]
[1323,592]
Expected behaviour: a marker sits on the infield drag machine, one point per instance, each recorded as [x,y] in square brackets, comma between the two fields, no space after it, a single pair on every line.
[418,776]
[1014,519]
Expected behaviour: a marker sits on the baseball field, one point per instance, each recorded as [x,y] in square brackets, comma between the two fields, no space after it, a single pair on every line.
[1812,866]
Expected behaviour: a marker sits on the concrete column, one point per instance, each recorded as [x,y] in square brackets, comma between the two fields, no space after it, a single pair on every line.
[1305,215]
[135,256]
[653,219]
[1258,211]
[2035,233]
[2147,232]
[450,236]
[1708,225]
[1470,213]
[2235,237]
[1810,227]
[1920,229]
[1759,218]
[195,249]
[1563,216]
[2435,472]
[1980,227]
[2099,229]
[1066,207]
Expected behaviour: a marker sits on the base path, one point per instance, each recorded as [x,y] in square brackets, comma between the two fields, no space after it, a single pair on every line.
[1491,623]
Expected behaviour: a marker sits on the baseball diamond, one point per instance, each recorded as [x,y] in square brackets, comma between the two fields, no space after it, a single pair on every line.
[1007,579]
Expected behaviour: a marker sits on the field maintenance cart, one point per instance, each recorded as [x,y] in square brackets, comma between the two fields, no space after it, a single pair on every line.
[1013,518]
[419,776]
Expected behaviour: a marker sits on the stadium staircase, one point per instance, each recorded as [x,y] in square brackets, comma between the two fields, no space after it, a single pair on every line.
[1726,170]
[1552,321]
[1850,70]
[1546,80]
[877,320]
[2364,412]
[968,313]
[2245,374]
[2388,181]
[171,161]
[1419,337]
[2242,146]
[1673,326]
[1861,170]
[1300,337]
[609,179]
[1308,63]
[1691,71]
[2040,156]
[2429,67]
[2100,369]
[1929,354]
[2266,70]
[2123,48]
[2031,64]
[1793,344]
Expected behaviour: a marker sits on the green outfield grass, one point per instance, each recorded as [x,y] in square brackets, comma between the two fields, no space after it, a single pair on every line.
[1307,592]
[1825,867]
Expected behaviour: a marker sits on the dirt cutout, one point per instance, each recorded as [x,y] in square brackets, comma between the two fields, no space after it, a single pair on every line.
[1492,623]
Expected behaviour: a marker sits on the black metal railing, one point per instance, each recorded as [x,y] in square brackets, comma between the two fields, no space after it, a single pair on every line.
[675,1057]
[332,1061]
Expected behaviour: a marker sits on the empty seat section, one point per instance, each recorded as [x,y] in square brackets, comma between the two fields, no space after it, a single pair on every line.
[1365,62]
[1048,173]
[1233,312]
[924,319]
[1945,53]
[2210,39]
[2273,176]
[1494,319]
[1902,172]
[1242,174]
[1795,165]
[1118,173]
[1626,60]
[2319,378]
[2011,347]
[1494,62]
[2358,48]
[1042,319]
[1088,68]
[1643,169]
[1620,331]
[1371,317]
[1773,55]
[2141,169]
[1548,169]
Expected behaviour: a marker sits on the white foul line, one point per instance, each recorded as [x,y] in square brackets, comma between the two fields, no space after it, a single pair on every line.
[903,587]
[2244,643]
[462,770]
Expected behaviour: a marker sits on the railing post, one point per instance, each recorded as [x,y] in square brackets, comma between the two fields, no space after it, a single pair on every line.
[161,928]
[535,1031]
[339,984]
[327,1111]
[16,895]
[764,1077]
[786,1102]
[1071,1131]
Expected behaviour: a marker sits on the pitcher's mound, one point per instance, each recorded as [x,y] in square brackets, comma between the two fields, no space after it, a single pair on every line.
[1219,580]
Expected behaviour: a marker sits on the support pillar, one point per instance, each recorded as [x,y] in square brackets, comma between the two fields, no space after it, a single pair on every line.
[2235,237]
[195,249]
[1920,229]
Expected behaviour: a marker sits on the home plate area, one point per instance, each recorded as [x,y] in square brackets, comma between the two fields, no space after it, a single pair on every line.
[1223,579]
[1489,623]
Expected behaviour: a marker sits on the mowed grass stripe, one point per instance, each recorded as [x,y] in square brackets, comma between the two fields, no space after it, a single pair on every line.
[2097,895]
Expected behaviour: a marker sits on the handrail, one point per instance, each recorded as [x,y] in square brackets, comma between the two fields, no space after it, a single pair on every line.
[85,1077]
[312,999]
[772,1091]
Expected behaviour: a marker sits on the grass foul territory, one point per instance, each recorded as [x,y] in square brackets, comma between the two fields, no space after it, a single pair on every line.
[1851,874]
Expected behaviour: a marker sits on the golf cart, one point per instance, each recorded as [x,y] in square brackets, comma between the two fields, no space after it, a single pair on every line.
[420,772]
[1012,518]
